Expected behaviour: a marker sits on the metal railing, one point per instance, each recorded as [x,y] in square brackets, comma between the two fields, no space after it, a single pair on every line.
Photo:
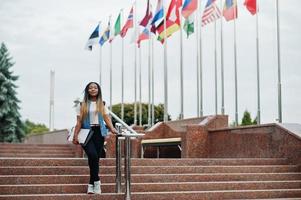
[124,133]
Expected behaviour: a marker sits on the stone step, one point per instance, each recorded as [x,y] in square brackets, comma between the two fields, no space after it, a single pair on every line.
[198,161]
[150,187]
[33,146]
[147,178]
[81,196]
[35,151]
[38,155]
[43,162]
[7,145]
[142,162]
[275,199]
[183,195]
[38,148]
[61,170]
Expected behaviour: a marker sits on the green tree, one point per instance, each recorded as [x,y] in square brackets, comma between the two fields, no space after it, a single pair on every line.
[12,128]
[129,113]
[33,128]
[247,120]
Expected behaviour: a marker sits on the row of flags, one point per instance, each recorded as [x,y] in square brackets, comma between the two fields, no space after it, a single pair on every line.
[155,23]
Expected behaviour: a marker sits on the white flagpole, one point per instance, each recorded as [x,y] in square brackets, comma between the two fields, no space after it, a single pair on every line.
[181,73]
[149,82]
[153,80]
[279,66]
[135,63]
[222,65]
[100,64]
[165,71]
[197,63]
[140,90]
[111,69]
[149,121]
[215,66]
[100,56]
[122,71]
[200,64]
[258,66]
[235,72]
[51,105]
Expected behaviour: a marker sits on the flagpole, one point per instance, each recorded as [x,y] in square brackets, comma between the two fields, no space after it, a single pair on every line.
[111,68]
[122,71]
[149,82]
[140,90]
[200,64]
[153,82]
[197,64]
[100,57]
[135,63]
[181,73]
[165,72]
[235,72]
[215,66]
[100,64]
[222,65]
[51,105]
[258,66]
[279,66]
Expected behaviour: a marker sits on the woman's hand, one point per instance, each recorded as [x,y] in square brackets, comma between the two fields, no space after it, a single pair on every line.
[114,131]
[75,140]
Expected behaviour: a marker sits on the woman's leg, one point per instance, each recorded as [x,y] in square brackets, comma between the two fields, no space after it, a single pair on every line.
[93,159]
[98,142]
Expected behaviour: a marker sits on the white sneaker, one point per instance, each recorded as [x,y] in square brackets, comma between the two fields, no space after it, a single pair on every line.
[90,189]
[97,189]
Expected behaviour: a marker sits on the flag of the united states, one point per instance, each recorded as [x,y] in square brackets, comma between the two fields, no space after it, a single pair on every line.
[211,13]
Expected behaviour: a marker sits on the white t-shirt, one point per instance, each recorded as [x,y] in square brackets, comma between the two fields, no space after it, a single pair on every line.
[92,112]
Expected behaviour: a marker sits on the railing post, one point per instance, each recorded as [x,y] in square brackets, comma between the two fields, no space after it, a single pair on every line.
[127,164]
[127,134]
[118,159]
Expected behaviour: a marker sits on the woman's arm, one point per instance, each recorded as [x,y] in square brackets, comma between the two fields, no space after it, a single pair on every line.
[76,130]
[108,121]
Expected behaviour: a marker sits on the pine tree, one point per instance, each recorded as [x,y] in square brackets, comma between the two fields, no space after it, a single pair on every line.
[11,126]
[247,120]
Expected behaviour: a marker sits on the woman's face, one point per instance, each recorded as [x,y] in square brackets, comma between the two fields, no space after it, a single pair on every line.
[93,90]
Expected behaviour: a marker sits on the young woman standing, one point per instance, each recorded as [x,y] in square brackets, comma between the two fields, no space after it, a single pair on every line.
[91,114]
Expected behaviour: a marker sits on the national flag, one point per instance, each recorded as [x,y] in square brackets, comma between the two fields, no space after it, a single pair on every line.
[158,17]
[133,37]
[106,35]
[93,39]
[251,6]
[128,24]
[189,7]
[172,20]
[173,13]
[148,15]
[211,12]
[230,10]
[116,28]
[189,25]
[144,35]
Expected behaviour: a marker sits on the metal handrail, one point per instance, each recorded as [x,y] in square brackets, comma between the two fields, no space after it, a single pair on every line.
[122,122]
[127,134]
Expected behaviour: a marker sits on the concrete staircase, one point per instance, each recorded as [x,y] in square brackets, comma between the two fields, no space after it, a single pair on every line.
[47,174]
[37,150]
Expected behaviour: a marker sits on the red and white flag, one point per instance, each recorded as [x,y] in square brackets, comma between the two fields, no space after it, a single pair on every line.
[251,6]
